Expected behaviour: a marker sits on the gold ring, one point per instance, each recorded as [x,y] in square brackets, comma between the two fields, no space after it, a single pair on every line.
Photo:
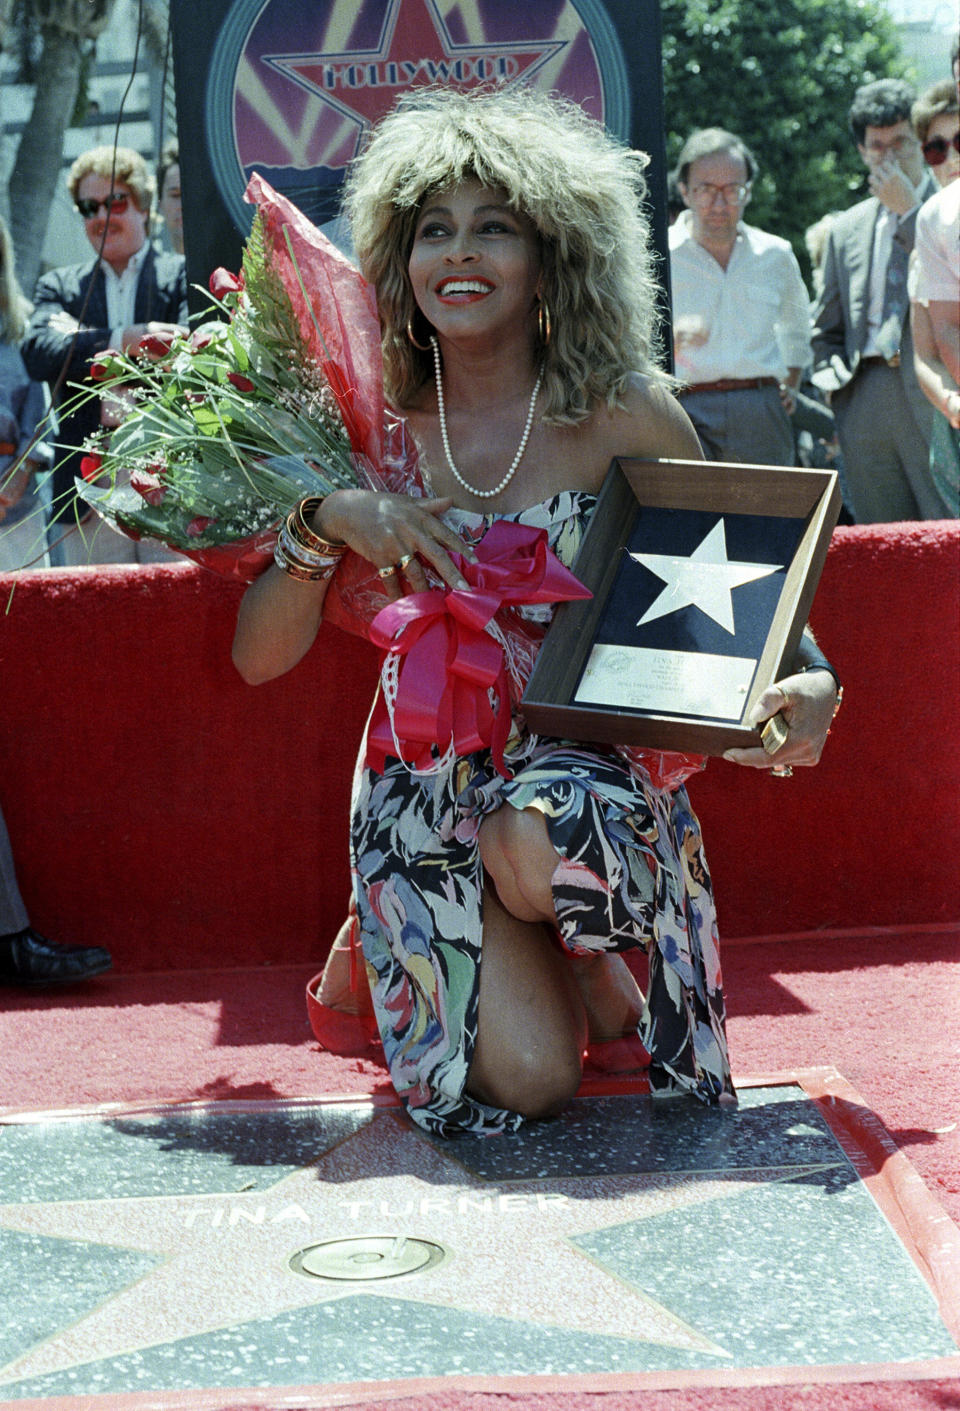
[407,558]
[782,771]
[387,572]
[773,735]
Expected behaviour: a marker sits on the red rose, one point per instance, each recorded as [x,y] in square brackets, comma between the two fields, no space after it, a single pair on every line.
[104,366]
[222,283]
[149,486]
[242,384]
[198,525]
[90,466]
[155,345]
[201,338]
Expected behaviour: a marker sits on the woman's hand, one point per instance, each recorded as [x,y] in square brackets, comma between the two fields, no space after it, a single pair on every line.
[394,531]
[806,701]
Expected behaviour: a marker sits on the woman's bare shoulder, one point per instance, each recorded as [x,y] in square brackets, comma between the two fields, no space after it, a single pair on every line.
[648,422]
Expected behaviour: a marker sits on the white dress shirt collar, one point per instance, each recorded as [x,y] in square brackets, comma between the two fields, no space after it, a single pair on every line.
[122,289]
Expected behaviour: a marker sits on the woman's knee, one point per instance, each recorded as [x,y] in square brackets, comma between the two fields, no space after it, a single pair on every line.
[536,1079]
[517,853]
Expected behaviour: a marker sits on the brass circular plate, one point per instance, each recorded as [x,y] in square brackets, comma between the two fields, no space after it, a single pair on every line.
[366,1258]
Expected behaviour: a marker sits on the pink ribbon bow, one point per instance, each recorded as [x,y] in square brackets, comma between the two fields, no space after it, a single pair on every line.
[450,661]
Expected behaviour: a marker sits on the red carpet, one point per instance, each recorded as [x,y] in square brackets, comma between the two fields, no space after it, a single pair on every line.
[881,1007]
[159,806]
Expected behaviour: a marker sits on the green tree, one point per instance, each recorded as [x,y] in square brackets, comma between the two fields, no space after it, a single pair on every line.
[780,74]
[67,28]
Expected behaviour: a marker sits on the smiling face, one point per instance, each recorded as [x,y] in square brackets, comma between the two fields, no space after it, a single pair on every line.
[127,229]
[474,264]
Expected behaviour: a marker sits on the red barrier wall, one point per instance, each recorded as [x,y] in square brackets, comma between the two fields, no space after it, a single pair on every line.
[159,805]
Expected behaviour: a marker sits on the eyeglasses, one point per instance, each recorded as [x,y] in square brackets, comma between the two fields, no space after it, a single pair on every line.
[936,151]
[113,205]
[705,193]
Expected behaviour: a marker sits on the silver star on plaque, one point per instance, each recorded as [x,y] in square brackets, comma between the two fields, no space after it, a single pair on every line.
[705,579]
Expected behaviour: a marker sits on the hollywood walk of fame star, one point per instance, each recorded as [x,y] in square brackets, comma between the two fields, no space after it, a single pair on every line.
[705,579]
[225,1259]
[362,84]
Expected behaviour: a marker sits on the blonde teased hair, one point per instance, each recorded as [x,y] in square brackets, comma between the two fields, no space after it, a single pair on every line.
[15,307]
[117,164]
[581,189]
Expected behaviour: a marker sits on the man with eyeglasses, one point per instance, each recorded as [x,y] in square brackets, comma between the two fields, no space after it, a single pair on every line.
[863,357]
[127,292]
[741,312]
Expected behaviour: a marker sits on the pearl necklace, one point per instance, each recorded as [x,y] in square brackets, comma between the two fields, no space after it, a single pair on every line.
[481,494]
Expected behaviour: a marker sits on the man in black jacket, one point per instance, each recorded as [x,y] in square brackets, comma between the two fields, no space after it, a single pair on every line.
[126,293]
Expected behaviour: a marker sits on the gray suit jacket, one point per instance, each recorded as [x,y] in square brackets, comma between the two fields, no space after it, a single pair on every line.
[841,309]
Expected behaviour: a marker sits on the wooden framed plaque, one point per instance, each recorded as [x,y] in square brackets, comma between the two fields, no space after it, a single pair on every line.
[702,577]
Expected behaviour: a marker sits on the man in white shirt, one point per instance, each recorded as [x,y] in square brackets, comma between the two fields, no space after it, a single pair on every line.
[127,292]
[741,320]
[863,357]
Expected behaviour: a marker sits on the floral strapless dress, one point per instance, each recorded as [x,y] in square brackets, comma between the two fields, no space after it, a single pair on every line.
[632,874]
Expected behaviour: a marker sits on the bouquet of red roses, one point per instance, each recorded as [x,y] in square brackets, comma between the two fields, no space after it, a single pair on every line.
[223,430]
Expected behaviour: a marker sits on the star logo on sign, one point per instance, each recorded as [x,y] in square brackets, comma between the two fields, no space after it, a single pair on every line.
[705,579]
[360,85]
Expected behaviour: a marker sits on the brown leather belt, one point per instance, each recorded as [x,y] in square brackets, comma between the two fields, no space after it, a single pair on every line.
[7,448]
[729,384]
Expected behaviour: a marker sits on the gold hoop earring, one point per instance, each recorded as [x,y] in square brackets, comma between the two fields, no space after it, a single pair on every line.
[424,347]
[543,322]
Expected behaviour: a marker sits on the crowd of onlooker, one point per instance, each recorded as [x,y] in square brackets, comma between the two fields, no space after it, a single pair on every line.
[863,376]
[857,377]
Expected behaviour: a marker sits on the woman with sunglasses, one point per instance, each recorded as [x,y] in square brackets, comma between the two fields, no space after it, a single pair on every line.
[127,290]
[936,121]
[935,282]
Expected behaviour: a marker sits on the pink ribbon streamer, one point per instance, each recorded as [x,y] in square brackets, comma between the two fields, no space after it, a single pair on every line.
[449,659]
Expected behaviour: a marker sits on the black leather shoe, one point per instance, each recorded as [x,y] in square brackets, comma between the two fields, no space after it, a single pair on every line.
[27,958]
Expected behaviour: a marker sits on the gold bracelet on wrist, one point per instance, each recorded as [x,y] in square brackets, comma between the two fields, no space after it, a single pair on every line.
[301,530]
[305,564]
[295,548]
[301,569]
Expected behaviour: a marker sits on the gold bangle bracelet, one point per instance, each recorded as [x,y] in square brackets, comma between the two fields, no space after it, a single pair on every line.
[309,558]
[300,569]
[301,530]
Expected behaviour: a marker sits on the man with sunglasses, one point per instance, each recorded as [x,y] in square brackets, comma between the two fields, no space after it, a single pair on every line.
[128,291]
[741,317]
[863,357]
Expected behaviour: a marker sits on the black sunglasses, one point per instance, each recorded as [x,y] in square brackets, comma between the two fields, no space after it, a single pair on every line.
[935,151]
[88,208]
